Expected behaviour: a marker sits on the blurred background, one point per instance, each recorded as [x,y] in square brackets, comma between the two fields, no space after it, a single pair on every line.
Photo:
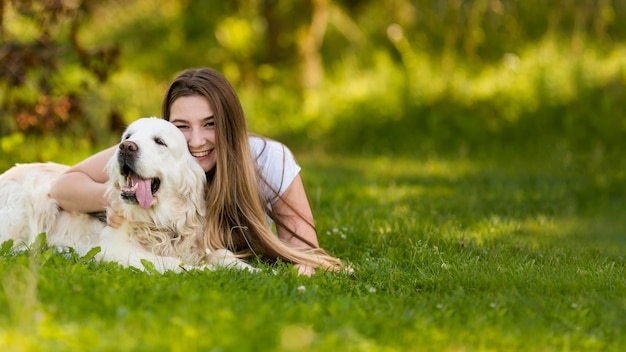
[374,77]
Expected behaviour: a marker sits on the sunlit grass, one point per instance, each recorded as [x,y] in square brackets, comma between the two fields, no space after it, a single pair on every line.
[470,252]
[504,249]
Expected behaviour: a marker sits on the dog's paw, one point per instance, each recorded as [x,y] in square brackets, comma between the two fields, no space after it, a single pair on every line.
[223,258]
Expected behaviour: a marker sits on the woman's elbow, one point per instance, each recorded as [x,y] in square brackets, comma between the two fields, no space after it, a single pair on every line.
[75,191]
[58,189]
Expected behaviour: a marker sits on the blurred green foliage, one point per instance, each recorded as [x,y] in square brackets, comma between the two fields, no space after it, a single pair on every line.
[392,76]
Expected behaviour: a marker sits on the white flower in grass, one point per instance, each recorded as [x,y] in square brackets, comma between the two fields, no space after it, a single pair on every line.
[342,232]
[301,289]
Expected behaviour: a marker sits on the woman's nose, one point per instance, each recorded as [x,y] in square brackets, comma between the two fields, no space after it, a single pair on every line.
[195,139]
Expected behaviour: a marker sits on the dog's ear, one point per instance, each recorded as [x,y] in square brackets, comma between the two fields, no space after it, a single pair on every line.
[191,188]
[193,183]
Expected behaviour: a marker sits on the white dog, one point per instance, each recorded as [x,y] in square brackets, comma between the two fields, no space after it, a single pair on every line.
[155,185]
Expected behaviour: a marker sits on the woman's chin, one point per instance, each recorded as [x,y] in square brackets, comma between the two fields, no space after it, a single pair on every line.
[207,164]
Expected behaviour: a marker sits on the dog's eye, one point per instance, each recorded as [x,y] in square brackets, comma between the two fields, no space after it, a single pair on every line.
[160,141]
[126,136]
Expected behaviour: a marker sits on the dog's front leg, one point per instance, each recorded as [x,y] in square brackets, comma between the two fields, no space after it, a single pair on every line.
[116,246]
[227,259]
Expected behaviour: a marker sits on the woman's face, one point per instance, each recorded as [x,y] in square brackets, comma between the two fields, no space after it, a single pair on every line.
[194,117]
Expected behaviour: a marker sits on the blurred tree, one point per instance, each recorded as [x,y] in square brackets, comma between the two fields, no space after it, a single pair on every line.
[39,40]
[53,58]
[309,44]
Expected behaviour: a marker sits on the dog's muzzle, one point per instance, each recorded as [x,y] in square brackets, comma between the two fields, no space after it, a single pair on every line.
[137,189]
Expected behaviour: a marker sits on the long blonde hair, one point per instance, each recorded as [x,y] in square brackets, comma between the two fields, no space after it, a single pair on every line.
[236,212]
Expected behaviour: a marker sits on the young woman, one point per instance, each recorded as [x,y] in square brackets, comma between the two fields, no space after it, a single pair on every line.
[250,179]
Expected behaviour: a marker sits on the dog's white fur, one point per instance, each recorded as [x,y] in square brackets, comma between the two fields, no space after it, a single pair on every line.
[167,232]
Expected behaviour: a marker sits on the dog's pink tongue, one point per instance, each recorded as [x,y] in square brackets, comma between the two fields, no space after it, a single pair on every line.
[144,191]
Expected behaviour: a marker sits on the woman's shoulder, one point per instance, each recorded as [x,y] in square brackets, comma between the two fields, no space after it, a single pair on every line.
[275,162]
[268,150]
[259,144]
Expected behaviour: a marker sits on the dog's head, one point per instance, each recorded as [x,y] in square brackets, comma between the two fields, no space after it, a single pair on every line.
[153,169]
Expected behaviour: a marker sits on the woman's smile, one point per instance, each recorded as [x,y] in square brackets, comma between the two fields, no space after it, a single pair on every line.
[201,155]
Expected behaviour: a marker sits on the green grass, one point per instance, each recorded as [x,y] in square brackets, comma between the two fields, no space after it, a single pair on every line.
[481,203]
[501,250]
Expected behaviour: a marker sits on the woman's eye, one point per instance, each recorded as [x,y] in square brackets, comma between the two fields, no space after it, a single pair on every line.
[181,127]
[159,141]
[210,124]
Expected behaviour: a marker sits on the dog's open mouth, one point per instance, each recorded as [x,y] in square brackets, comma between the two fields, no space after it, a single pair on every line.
[138,189]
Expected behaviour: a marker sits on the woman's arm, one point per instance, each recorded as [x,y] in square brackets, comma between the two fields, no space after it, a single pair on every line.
[294,212]
[82,187]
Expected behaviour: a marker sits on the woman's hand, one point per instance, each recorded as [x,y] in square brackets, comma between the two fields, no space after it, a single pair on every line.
[114,220]
[304,269]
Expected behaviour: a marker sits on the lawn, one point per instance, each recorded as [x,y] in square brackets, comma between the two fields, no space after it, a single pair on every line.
[469,165]
[467,250]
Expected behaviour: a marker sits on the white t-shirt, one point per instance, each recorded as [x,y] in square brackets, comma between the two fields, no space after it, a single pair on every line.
[277,166]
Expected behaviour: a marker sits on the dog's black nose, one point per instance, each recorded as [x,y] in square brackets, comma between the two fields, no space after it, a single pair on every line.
[128,146]
[126,155]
